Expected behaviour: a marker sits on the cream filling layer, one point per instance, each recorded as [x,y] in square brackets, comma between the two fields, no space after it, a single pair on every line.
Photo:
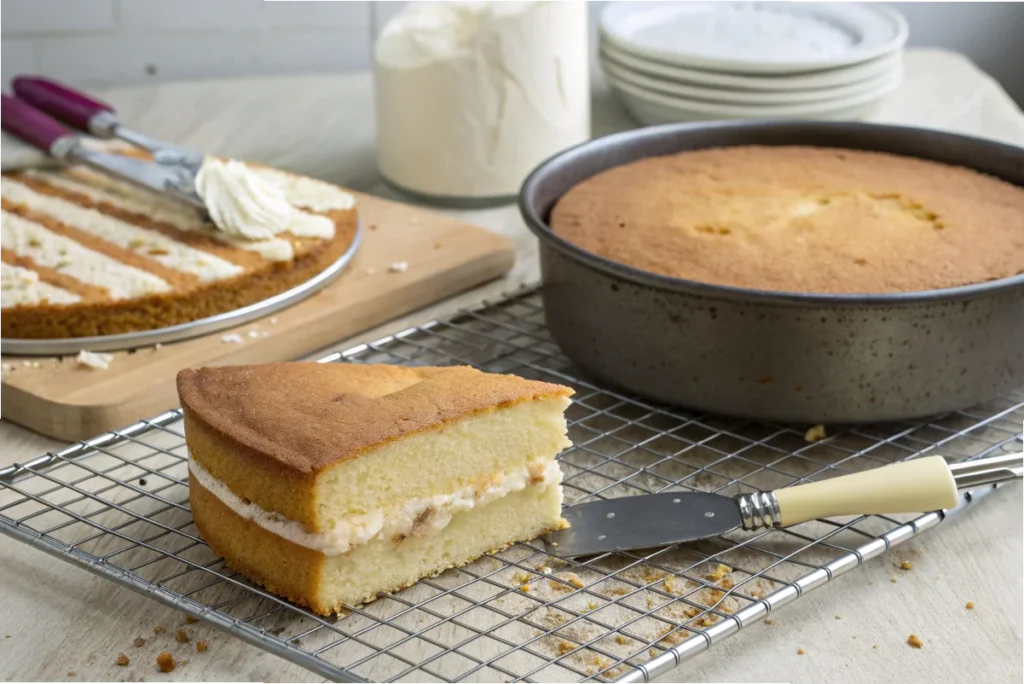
[145,242]
[417,517]
[46,248]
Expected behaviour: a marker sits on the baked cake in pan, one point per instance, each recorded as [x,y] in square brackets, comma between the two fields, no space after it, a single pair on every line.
[800,219]
[335,483]
[85,254]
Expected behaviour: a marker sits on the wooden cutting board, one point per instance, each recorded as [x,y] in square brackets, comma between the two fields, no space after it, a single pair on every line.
[60,398]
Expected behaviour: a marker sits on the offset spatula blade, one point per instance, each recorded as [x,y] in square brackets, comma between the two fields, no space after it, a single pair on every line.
[640,522]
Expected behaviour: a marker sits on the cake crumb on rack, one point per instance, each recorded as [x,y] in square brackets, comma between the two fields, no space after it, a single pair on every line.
[165,661]
[621,640]
[906,565]
[122,660]
[181,636]
[894,580]
[914,641]
[159,629]
[139,642]
[801,651]
[202,646]
[94,360]
[72,673]
[769,621]
[815,433]
[191,619]
[839,617]
[572,578]
[969,605]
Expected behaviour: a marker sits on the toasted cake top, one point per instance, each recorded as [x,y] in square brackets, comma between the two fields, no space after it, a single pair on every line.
[307,416]
[800,219]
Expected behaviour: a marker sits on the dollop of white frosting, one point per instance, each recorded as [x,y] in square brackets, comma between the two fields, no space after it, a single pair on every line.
[251,205]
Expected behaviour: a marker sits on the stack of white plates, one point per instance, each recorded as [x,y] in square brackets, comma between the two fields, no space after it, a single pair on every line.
[694,61]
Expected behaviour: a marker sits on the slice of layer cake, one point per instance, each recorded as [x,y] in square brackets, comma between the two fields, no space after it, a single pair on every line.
[335,483]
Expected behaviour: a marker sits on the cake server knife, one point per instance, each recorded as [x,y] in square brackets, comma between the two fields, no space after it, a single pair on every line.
[39,130]
[83,113]
[652,520]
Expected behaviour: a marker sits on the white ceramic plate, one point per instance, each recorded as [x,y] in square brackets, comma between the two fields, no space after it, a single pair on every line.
[619,74]
[761,83]
[653,108]
[754,37]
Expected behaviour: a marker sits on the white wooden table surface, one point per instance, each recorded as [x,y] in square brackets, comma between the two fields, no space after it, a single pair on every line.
[56,620]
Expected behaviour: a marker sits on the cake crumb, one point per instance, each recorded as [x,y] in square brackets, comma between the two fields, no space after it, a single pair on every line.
[592,605]
[399,267]
[769,621]
[893,580]
[72,673]
[254,334]
[165,661]
[521,578]
[839,617]
[915,641]
[370,271]
[815,433]
[139,642]
[525,588]
[122,660]
[181,636]
[969,605]
[875,646]
[543,569]
[564,647]
[906,565]
[159,629]
[572,578]
[372,226]
[202,646]
[94,360]
[800,651]
[231,338]
[719,572]
[273,320]
[621,640]
[158,346]
[191,619]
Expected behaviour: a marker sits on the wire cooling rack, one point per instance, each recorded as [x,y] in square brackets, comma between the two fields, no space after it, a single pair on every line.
[117,505]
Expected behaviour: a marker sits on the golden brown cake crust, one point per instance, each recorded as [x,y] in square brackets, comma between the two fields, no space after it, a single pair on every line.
[264,412]
[800,219]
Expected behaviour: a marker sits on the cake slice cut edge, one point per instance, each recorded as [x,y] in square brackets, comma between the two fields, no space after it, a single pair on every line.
[470,469]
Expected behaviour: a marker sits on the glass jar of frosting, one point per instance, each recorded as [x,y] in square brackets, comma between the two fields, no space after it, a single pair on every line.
[471,96]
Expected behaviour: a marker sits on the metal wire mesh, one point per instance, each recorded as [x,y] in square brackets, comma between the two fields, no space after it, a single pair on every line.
[118,506]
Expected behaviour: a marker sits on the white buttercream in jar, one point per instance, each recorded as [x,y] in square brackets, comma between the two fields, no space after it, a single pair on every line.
[471,96]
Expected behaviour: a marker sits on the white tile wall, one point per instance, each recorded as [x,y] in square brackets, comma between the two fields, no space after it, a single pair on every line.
[102,42]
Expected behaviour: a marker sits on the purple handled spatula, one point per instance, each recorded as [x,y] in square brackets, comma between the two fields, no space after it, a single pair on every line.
[78,110]
[43,132]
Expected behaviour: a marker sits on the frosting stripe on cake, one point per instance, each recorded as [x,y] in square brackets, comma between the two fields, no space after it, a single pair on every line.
[29,239]
[84,291]
[21,286]
[182,221]
[145,242]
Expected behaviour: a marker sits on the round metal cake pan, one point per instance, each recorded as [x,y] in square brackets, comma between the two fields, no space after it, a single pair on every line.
[203,326]
[781,356]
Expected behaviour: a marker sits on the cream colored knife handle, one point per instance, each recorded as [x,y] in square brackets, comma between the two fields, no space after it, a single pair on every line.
[924,484]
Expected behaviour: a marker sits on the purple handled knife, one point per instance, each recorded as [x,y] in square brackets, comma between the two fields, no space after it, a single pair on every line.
[78,110]
[175,180]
